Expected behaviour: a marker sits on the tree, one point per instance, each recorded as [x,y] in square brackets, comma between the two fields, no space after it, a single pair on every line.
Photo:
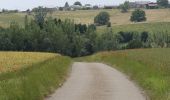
[138,15]
[66,5]
[125,7]
[163,3]
[102,18]
[78,3]
[40,15]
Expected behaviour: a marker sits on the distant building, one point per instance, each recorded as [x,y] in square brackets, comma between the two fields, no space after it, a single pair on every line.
[109,7]
[152,5]
[139,4]
[76,7]
[88,6]
[95,7]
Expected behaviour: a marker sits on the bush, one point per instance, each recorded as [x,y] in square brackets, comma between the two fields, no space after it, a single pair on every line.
[138,15]
[109,24]
[102,18]
[125,37]
[134,44]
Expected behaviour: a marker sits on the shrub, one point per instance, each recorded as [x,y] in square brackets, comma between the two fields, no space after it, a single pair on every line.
[134,44]
[125,37]
[109,24]
[102,18]
[138,15]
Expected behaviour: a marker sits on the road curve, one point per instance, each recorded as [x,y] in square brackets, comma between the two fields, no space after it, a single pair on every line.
[96,81]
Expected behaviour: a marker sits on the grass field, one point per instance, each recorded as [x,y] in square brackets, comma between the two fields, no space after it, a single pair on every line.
[87,16]
[44,73]
[150,68]
[157,27]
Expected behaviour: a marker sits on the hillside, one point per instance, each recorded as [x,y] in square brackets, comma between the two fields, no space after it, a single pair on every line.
[86,16]
[148,67]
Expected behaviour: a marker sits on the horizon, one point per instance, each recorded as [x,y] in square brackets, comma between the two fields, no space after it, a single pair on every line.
[20,4]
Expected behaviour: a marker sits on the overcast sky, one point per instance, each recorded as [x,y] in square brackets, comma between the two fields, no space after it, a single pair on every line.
[25,4]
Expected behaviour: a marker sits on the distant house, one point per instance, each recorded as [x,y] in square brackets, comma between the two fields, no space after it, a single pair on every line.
[95,7]
[88,6]
[139,4]
[76,7]
[152,5]
[109,7]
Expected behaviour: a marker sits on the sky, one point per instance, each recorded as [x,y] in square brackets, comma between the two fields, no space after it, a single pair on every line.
[29,4]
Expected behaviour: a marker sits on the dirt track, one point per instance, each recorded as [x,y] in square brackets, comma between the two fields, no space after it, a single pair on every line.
[96,81]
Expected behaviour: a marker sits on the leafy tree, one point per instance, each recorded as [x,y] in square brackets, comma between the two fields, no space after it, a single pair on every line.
[40,15]
[102,18]
[125,7]
[107,41]
[138,15]
[78,3]
[66,5]
[163,3]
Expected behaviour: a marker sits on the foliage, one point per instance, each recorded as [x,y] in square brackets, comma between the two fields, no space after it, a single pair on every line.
[102,18]
[138,15]
[40,15]
[66,5]
[125,7]
[163,3]
[78,3]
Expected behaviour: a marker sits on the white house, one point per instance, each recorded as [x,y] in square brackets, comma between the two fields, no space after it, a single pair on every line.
[88,6]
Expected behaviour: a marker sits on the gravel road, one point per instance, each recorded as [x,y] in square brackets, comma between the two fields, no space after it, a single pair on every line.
[96,81]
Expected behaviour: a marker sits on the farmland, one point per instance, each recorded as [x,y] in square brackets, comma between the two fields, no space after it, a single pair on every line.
[158,27]
[44,73]
[148,67]
[10,61]
[87,16]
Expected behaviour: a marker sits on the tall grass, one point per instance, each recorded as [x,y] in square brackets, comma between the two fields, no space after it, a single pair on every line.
[150,68]
[36,81]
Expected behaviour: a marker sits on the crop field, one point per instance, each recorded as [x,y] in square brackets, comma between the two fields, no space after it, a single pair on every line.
[44,73]
[150,68]
[87,16]
[10,61]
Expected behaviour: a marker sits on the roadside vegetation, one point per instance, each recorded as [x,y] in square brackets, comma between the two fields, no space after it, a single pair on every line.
[148,67]
[38,75]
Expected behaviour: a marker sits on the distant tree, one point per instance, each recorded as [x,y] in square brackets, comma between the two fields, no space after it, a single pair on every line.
[144,36]
[78,3]
[102,18]
[66,5]
[138,15]
[163,3]
[40,15]
[125,7]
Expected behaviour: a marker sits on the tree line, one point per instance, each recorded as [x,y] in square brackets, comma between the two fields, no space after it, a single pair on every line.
[47,34]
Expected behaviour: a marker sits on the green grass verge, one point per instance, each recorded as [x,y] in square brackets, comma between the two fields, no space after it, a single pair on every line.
[36,81]
[150,68]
